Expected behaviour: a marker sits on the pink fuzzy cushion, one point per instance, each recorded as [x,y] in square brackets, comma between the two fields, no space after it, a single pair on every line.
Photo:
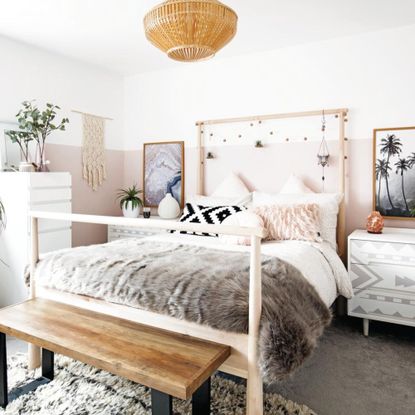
[295,222]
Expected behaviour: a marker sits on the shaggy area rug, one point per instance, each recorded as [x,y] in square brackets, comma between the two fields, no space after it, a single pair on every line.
[80,389]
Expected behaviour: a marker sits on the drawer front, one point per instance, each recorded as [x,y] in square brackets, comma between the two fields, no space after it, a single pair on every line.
[369,252]
[50,195]
[48,225]
[388,277]
[55,240]
[43,180]
[373,305]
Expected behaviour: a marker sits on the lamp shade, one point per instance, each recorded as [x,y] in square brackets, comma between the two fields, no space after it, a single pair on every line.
[190,30]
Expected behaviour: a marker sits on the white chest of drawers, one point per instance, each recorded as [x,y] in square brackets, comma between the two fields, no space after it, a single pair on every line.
[382,271]
[20,193]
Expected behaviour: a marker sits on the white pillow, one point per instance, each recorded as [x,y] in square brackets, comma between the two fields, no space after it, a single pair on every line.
[327,202]
[220,201]
[245,218]
[232,186]
[294,185]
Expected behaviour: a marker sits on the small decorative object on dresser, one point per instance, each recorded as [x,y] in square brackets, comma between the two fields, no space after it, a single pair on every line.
[382,271]
[130,202]
[146,212]
[169,207]
[375,223]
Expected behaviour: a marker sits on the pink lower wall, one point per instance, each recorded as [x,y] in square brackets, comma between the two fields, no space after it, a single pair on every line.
[84,199]
[266,169]
[262,169]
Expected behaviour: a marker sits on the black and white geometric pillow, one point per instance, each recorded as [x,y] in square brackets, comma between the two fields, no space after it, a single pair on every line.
[208,215]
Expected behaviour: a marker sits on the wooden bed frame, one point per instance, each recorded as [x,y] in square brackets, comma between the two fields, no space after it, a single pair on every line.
[244,355]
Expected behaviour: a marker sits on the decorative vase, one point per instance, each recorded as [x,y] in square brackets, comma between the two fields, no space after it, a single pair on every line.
[169,207]
[129,212]
[41,162]
[375,222]
[26,167]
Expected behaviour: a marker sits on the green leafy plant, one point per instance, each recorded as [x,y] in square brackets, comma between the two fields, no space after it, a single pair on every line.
[22,139]
[36,125]
[125,196]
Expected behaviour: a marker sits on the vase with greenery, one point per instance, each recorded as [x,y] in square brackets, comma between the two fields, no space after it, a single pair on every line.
[35,125]
[130,202]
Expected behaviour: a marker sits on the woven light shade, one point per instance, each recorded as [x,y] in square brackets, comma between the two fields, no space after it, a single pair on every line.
[190,30]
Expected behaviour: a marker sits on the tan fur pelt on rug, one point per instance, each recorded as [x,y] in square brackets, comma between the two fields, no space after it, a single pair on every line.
[79,389]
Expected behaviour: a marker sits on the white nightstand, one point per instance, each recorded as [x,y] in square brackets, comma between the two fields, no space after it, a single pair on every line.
[118,231]
[382,271]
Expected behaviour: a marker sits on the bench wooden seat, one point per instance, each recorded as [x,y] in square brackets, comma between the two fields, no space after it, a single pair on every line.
[170,364]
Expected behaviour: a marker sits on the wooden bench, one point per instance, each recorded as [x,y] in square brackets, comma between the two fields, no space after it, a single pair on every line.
[171,364]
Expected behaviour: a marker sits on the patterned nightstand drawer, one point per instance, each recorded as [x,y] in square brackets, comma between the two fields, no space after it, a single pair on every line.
[371,252]
[382,276]
[373,305]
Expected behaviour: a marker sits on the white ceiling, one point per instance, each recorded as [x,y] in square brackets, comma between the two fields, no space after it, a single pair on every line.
[109,33]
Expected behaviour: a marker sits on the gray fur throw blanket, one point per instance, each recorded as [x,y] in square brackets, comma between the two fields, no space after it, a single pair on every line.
[198,284]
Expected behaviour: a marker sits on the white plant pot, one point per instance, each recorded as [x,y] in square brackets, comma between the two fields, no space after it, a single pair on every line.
[26,167]
[129,212]
[169,208]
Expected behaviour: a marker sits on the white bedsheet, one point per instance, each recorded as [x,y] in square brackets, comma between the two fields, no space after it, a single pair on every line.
[318,262]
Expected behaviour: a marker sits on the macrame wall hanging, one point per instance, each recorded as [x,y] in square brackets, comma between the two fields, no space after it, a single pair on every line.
[93,150]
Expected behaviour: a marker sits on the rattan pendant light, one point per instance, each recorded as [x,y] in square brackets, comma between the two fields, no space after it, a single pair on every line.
[190,30]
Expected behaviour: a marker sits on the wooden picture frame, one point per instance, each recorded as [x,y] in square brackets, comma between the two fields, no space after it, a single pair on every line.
[394,172]
[163,170]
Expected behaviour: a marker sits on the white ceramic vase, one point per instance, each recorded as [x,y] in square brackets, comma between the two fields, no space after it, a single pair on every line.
[26,167]
[169,207]
[130,212]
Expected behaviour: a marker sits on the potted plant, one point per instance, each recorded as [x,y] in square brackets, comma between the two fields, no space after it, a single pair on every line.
[130,202]
[36,125]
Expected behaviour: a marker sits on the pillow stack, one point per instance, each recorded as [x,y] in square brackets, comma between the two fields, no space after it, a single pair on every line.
[296,213]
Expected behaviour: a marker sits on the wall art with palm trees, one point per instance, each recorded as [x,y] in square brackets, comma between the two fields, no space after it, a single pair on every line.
[394,172]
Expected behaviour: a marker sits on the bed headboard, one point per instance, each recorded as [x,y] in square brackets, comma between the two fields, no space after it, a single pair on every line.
[290,145]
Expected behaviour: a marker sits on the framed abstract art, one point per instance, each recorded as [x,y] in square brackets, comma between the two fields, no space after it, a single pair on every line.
[163,165]
[394,172]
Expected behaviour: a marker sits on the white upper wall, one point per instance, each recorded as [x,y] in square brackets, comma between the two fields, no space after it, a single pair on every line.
[29,73]
[371,74]
[110,33]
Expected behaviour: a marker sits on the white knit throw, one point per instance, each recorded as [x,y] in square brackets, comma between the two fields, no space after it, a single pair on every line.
[93,150]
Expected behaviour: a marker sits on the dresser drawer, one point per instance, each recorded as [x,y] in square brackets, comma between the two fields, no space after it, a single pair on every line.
[389,277]
[370,252]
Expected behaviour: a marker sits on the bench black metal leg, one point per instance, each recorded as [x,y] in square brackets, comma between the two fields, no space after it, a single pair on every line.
[47,375]
[201,400]
[48,361]
[3,372]
[161,403]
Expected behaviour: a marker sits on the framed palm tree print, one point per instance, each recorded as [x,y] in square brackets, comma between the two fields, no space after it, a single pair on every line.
[394,172]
